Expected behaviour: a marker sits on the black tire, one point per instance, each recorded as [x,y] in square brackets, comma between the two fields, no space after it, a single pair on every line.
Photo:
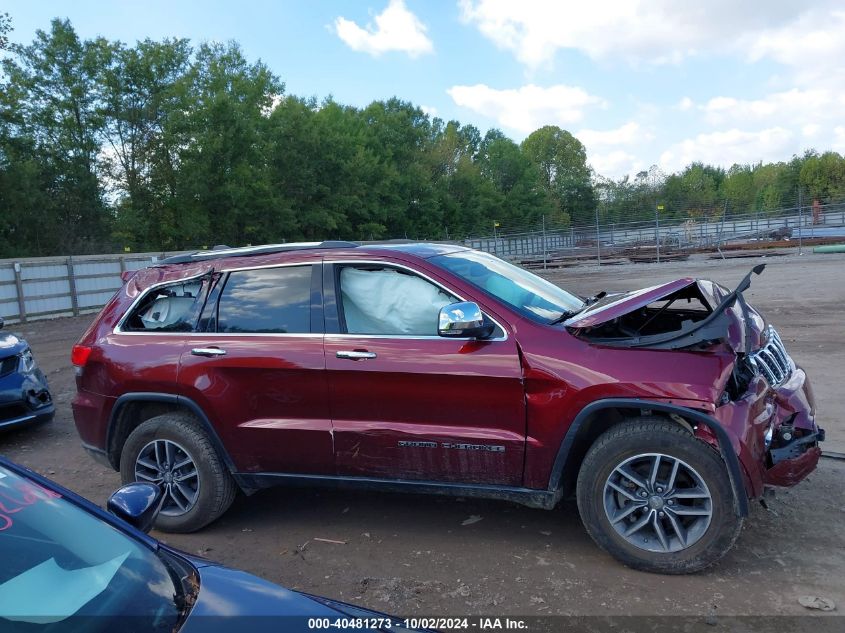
[630,445]
[215,488]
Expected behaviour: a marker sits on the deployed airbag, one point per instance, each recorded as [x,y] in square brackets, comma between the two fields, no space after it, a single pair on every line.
[171,308]
[386,301]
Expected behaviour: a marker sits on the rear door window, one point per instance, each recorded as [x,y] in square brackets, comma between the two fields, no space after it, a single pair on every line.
[171,308]
[266,301]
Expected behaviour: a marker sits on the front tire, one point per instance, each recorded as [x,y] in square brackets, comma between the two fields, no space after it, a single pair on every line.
[656,498]
[172,451]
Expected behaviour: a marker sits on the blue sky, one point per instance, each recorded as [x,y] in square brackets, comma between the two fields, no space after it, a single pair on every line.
[639,82]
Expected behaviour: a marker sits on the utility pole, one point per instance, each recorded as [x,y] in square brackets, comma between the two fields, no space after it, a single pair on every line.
[544,241]
[657,229]
[598,237]
[800,219]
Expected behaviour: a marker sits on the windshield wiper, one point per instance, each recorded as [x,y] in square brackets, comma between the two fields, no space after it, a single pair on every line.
[566,314]
[591,300]
[588,301]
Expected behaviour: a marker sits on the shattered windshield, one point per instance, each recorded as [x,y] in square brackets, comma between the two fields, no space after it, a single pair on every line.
[62,564]
[524,291]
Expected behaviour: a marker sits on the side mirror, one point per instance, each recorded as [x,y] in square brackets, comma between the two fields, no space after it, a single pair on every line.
[463,320]
[137,504]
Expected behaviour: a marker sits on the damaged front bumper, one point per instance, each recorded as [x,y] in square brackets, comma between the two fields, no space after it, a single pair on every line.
[796,460]
[25,399]
[774,430]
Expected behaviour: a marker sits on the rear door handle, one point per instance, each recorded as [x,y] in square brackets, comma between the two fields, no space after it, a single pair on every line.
[355,355]
[208,351]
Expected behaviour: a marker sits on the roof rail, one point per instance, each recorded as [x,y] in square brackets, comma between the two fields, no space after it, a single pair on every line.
[246,251]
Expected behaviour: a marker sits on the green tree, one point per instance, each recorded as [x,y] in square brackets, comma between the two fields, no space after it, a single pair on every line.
[51,100]
[561,161]
[5,29]
[738,188]
[508,168]
[222,188]
[823,176]
[140,93]
[401,134]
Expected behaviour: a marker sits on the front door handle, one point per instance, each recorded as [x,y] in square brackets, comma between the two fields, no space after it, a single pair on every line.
[355,355]
[208,351]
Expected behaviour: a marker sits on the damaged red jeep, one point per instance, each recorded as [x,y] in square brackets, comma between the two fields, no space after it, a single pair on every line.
[439,369]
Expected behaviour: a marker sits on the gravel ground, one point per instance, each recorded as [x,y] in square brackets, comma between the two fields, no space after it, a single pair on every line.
[442,556]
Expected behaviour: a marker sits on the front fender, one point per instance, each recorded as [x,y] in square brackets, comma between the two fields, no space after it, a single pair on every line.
[726,445]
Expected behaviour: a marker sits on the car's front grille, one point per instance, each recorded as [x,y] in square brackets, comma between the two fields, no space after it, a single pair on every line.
[8,365]
[771,360]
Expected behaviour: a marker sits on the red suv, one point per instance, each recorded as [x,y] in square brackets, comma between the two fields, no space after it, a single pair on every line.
[439,369]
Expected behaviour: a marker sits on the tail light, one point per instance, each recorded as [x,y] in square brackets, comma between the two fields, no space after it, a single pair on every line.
[79,355]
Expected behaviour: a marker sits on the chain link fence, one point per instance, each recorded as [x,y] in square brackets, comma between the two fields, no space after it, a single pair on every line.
[56,286]
[724,234]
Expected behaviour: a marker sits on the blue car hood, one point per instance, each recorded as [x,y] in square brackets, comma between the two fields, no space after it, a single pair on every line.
[235,600]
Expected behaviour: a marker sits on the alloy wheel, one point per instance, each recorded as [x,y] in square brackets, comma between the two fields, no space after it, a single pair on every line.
[170,466]
[658,503]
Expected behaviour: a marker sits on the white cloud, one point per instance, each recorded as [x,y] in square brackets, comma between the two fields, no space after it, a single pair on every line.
[812,45]
[395,29]
[838,142]
[798,105]
[615,163]
[791,106]
[605,151]
[654,31]
[807,119]
[725,148]
[627,134]
[811,130]
[429,110]
[529,107]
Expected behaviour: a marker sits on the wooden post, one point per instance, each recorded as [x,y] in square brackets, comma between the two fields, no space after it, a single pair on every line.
[71,280]
[19,288]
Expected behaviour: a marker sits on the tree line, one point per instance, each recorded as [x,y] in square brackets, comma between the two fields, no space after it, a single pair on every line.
[166,145]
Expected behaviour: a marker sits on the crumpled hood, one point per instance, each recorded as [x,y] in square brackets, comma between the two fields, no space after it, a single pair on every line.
[737,323]
[755,326]
[615,305]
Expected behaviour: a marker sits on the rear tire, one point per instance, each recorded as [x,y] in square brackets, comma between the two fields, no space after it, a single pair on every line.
[172,451]
[656,498]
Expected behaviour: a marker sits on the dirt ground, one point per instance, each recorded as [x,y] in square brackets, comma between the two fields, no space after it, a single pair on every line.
[420,555]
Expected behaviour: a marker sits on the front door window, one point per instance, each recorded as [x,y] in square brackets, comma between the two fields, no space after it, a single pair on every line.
[387,301]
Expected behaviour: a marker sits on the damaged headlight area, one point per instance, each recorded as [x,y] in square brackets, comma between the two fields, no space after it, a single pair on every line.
[27,362]
[771,361]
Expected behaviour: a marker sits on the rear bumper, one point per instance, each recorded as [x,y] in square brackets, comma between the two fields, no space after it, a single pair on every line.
[90,414]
